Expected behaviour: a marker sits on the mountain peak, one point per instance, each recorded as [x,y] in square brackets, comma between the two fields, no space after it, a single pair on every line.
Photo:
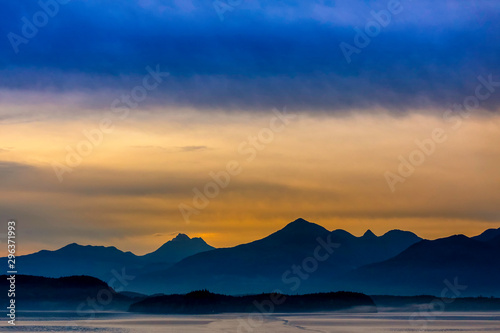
[178,248]
[401,234]
[369,234]
[181,237]
[296,231]
[301,225]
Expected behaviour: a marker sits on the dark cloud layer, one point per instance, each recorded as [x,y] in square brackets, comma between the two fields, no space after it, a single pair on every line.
[261,55]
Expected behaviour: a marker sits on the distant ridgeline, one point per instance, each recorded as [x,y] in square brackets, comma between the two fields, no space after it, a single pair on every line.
[86,295]
[205,302]
[74,293]
[301,258]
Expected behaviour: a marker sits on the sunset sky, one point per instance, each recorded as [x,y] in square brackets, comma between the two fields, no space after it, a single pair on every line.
[93,78]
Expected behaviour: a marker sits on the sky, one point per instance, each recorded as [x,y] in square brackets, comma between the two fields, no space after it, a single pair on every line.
[126,123]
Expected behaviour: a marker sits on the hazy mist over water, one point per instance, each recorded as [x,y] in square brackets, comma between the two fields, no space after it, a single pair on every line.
[316,322]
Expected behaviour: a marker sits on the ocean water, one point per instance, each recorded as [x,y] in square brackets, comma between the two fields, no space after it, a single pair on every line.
[245,323]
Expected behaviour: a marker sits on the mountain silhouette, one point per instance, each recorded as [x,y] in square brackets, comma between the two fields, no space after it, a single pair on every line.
[301,258]
[177,249]
[260,266]
[86,294]
[66,293]
[368,235]
[75,259]
[205,302]
[428,267]
[105,262]
[358,251]
[488,235]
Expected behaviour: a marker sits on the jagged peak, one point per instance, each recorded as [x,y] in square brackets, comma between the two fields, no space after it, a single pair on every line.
[300,220]
[181,237]
[369,234]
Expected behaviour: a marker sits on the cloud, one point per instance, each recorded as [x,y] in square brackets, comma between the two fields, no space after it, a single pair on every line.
[261,56]
[264,55]
[183,149]
[192,148]
[149,147]
[10,169]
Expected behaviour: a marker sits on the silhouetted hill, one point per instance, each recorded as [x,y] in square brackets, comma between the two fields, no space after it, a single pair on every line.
[424,267]
[249,266]
[66,293]
[358,251]
[204,302]
[488,235]
[261,266]
[85,293]
[74,259]
[177,249]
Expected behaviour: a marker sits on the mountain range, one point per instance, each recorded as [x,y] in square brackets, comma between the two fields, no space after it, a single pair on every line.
[260,266]
[104,262]
[301,258]
[455,266]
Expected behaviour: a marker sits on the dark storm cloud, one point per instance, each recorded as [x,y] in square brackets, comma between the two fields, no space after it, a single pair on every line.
[262,55]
